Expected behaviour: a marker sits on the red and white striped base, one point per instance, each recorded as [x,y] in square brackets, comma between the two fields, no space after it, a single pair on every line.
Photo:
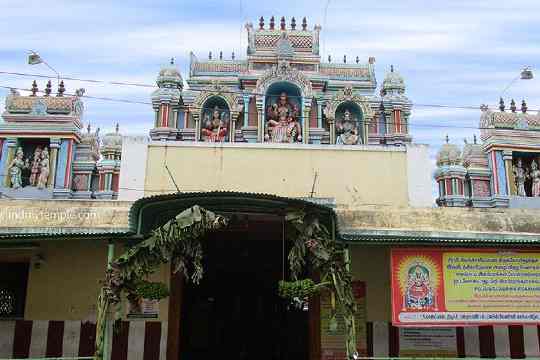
[479,341]
[147,340]
[136,340]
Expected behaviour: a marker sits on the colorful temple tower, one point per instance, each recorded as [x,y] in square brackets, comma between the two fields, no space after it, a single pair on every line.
[500,172]
[43,152]
[281,93]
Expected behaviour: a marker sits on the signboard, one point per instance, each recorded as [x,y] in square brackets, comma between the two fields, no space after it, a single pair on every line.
[333,326]
[465,287]
[427,342]
[145,309]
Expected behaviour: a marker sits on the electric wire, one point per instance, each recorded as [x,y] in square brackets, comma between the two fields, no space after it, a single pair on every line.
[124,83]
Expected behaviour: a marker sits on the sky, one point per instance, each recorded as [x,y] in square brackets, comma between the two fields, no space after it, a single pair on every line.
[450,52]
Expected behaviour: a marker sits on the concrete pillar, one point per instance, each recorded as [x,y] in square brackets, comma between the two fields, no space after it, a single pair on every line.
[54,146]
[510,181]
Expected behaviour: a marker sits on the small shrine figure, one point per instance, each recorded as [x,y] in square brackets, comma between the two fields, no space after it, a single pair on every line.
[215,129]
[16,167]
[419,294]
[43,169]
[347,130]
[520,175]
[535,176]
[34,169]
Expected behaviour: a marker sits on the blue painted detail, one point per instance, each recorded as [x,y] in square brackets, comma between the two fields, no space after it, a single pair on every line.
[61,164]
[382,123]
[501,170]
[491,182]
[181,119]
[3,160]
[246,110]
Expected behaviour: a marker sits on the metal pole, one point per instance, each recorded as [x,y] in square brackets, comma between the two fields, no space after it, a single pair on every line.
[106,345]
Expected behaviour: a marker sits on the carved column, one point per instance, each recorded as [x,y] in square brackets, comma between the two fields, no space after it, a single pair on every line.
[510,181]
[54,145]
[246,109]
[196,119]
[306,107]
[261,117]
[12,146]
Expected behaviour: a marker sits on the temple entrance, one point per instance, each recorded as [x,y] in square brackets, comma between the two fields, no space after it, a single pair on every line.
[235,312]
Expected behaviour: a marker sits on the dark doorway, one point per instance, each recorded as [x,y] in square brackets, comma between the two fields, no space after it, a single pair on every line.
[235,312]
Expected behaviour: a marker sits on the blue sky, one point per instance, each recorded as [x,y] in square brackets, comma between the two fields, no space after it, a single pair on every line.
[450,52]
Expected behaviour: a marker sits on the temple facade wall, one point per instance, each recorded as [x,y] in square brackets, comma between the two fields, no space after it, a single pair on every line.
[354,177]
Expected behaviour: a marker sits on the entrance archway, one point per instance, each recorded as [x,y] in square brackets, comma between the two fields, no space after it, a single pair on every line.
[172,228]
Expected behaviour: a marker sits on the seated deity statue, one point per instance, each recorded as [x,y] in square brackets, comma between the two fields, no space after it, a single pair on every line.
[281,107]
[347,130]
[43,169]
[34,169]
[215,129]
[16,167]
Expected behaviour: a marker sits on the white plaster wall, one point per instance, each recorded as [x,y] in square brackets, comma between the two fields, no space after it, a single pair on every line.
[133,167]
[419,170]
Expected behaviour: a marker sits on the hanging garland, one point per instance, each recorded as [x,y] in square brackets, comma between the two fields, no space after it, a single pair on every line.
[315,249]
[177,242]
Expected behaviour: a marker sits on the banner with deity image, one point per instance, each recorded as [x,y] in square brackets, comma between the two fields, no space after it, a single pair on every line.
[461,287]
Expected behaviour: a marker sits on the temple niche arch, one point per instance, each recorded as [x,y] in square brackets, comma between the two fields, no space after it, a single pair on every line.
[283,112]
[215,117]
[349,124]
[348,115]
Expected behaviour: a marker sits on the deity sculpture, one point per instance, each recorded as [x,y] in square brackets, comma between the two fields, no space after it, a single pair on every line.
[520,175]
[34,170]
[419,292]
[282,124]
[535,176]
[43,169]
[16,167]
[215,129]
[347,130]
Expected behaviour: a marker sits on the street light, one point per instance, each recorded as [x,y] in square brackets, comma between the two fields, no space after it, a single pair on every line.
[525,74]
[34,58]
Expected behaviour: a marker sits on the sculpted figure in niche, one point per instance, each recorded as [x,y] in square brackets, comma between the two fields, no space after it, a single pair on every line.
[535,176]
[16,167]
[520,175]
[34,169]
[215,128]
[43,169]
[281,121]
[347,130]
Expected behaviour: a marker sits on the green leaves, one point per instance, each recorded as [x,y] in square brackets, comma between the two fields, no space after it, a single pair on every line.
[151,290]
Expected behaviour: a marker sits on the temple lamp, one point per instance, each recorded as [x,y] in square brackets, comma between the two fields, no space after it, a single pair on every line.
[34,58]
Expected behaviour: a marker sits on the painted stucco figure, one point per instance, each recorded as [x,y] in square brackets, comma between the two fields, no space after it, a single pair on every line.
[281,122]
[16,167]
[347,130]
[34,170]
[43,169]
[215,129]
[419,292]
[535,176]
[520,175]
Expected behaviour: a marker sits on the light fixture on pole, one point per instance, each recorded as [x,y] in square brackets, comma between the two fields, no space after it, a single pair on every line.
[526,73]
[34,58]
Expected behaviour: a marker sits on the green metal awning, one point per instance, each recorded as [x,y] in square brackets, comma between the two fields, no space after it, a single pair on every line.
[447,238]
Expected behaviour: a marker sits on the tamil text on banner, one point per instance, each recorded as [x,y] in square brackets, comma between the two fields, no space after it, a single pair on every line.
[465,287]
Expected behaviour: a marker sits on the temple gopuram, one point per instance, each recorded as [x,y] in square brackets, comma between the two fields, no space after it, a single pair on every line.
[502,170]
[278,209]
[281,93]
